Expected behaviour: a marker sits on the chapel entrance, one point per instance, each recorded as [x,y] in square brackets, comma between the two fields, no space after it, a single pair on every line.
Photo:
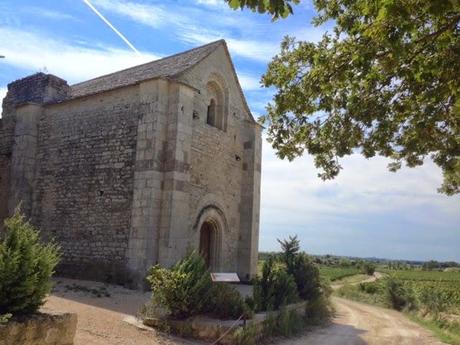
[208,242]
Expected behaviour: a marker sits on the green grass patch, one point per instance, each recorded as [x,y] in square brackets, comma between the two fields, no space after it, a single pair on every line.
[336,273]
[448,333]
[356,293]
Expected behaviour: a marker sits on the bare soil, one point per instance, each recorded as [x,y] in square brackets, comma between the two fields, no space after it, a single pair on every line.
[355,280]
[100,319]
[360,324]
[101,309]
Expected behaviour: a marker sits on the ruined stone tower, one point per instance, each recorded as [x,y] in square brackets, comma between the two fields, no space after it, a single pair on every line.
[137,167]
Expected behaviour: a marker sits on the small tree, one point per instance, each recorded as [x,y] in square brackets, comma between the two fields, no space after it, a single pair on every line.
[290,248]
[307,277]
[26,266]
[301,268]
[275,287]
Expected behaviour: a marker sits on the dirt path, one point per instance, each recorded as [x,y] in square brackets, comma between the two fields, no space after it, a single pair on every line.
[360,324]
[374,277]
[102,308]
[100,319]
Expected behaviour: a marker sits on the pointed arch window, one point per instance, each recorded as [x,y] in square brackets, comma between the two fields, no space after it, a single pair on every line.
[211,116]
[216,106]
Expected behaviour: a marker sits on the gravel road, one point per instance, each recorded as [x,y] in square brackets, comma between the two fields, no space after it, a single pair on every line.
[100,321]
[360,324]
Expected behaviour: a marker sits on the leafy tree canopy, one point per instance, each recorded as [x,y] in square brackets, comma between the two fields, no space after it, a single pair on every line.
[385,82]
[277,8]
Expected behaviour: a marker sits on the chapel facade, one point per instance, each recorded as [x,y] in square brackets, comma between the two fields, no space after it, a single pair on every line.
[137,167]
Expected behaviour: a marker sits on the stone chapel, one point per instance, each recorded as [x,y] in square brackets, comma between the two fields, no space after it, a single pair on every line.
[137,167]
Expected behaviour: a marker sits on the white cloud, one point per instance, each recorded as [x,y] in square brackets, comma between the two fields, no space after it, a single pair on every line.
[365,211]
[251,49]
[191,30]
[292,192]
[249,82]
[47,13]
[147,14]
[310,33]
[68,60]
[211,2]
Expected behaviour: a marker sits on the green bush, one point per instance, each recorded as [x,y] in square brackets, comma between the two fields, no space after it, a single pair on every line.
[247,335]
[26,266]
[368,268]
[274,288]
[307,277]
[286,323]
[289,323]
[185,289]
[397,296]
[227,303]
[370,288]
[305,272]
[318,310]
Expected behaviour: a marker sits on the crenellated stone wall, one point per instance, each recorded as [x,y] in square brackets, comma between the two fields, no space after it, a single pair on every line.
[39,88]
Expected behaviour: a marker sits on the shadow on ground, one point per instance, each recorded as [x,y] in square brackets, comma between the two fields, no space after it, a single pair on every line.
[101,295]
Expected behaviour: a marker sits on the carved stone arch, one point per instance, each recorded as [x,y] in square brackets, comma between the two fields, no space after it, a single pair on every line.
[216,101]
[210,229]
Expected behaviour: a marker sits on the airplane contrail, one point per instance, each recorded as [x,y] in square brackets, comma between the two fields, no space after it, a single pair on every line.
[99,14]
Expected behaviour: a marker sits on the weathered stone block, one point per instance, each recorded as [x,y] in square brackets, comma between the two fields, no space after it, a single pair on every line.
[40,329]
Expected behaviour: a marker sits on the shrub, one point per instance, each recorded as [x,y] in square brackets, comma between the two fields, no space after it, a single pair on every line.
[306,274]
[368,268]
[227,303]
[289,323]
[26,266]
[397,296]
[318,310]
[307,277]
[185,289]
[247,335]
[274,288]
[370,288]
[286,323]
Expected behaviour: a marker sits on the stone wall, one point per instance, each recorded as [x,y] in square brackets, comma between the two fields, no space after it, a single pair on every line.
[38,88]
[6,144]
[225,166]
[84,181]
[124,179]
[40,329]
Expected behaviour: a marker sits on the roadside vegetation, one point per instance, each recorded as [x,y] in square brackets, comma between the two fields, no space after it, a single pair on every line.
[286,278]
[432,298]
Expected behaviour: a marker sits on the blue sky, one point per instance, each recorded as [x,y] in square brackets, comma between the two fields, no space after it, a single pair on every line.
[366,211]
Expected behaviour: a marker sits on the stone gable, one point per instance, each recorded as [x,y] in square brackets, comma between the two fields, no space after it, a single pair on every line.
[137,167]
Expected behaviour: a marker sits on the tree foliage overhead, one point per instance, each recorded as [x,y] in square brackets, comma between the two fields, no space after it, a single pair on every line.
[385,82]
[277,8]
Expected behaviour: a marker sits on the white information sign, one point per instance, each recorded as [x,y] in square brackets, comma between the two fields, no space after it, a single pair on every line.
[225,277]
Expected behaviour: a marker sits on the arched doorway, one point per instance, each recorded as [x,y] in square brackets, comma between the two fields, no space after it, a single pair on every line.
[208,233]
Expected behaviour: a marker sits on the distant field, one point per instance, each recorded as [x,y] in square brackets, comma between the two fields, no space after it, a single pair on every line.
[419,275]
[446,285]
[335,273]
[433,286]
